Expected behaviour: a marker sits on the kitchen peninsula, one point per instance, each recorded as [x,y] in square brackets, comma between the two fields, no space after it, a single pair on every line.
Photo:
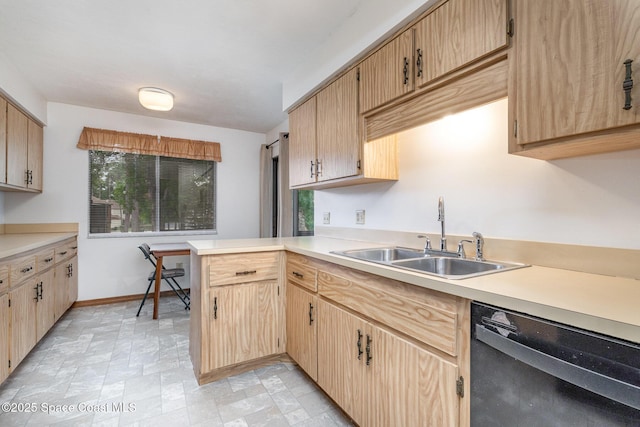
[422,320]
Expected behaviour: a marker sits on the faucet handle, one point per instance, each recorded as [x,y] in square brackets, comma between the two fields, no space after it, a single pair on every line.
[427,244]
[461,253]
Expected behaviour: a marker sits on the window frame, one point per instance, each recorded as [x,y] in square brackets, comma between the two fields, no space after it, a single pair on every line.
[119,235]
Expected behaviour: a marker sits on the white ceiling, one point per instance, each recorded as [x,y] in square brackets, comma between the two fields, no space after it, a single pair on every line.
[224,60]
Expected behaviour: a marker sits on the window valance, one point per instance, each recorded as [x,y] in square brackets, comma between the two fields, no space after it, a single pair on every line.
[111,140]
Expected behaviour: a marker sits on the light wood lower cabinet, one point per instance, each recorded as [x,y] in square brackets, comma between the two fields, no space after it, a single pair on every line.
[36,289]
[302,321]
[237,313]
[242,323]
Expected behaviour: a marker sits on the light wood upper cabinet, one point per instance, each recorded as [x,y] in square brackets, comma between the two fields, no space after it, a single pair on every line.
[388,73]
[17,146]
[338,139]
[23,141]
[3,141]
[567,71]
[457,33]
[302,144]
[34,155]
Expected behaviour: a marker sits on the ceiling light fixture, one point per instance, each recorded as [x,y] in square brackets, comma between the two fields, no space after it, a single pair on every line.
[153,98]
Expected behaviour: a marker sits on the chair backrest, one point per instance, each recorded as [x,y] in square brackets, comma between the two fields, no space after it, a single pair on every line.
[146,250]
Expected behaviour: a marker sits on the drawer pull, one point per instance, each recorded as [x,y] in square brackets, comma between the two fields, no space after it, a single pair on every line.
[26,269]
[1,281]
[359,344]
[63,253]
[48,260]
[74,247]
[298,275]
[246,273]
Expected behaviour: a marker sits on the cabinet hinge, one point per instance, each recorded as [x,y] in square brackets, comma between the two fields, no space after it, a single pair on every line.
[515,128]
[460,387]
[510,27]
[359,164]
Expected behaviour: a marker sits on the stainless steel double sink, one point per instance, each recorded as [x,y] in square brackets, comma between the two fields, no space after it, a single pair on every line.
[416,260]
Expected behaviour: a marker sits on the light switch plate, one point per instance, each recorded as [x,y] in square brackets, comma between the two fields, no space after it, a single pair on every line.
[326,217]
[360,216]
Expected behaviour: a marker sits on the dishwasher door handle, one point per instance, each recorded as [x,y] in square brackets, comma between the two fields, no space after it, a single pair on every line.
[625,393]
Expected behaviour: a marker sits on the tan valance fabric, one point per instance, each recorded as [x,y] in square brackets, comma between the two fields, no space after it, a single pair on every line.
[126,142]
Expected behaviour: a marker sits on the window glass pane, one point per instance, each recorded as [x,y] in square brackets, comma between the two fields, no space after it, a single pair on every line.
[186,194]
[304,212]
[140,193]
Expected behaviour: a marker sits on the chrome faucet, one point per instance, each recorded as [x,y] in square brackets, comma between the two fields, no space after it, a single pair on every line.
[443,238]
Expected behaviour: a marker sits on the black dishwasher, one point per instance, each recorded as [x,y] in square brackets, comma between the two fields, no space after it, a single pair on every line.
[527,371]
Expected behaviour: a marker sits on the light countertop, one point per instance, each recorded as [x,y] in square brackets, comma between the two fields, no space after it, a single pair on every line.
[13,244]
[604,304]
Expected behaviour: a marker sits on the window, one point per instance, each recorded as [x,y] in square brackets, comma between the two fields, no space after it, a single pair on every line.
[303,213]
[132,193]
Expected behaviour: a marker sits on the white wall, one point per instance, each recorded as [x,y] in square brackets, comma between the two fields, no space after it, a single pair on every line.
[114,266]
[16,88]
[590,200]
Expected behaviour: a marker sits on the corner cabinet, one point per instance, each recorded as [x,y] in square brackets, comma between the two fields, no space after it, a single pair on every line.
[571,92]
[325,143]
[237,313]
[22,140]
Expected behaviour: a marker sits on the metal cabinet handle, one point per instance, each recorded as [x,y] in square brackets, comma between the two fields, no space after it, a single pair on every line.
[405,70]
[37,294]
[215,307]
[63,253]
[246,272]
[26,269]
[627,84]
[311,171]
[298,275]
[359,344]
[419,63]
[310,314]
[48,260]
[369,357]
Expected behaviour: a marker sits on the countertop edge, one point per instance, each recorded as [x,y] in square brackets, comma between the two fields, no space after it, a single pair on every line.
[17,244]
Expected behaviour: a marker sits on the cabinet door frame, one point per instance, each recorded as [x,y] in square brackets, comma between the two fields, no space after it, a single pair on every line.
[17,140]
[302,326]
[302,144]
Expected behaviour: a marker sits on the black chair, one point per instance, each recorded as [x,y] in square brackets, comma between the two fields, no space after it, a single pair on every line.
[168,274]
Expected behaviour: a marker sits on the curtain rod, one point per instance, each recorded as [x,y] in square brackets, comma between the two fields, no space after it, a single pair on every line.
[269,145]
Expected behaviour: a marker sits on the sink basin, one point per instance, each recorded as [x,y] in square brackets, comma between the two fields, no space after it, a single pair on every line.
[415,260]
[455,268]
[383,255]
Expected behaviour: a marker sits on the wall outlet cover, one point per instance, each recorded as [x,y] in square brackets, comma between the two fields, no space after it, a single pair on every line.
[360,216]
[326,217]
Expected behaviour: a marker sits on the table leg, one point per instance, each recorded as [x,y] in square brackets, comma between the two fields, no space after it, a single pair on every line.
[156,290]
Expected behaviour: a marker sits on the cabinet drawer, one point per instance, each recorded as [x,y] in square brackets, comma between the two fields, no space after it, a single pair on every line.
[66,250]
[231,269]
[4,278]
[45,259]
[424,315]
[300,272]
[21,269]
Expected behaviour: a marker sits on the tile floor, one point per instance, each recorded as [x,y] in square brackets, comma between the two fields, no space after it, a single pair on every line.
[112,369]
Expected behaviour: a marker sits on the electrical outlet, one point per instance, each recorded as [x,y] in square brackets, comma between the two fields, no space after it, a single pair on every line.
[326,217]
[360,216]
[179,265]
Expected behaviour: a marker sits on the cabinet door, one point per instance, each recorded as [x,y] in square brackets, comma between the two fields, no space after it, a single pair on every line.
[45,306]
[34,155]
[242,323]
[341,358]
[457,33]
[337,121]
[3,140]
[568,67]
[302,144]
[17,131]
[5,319]
[388,73]
[61,296]
[302,321]
[407,385]
[23,320]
